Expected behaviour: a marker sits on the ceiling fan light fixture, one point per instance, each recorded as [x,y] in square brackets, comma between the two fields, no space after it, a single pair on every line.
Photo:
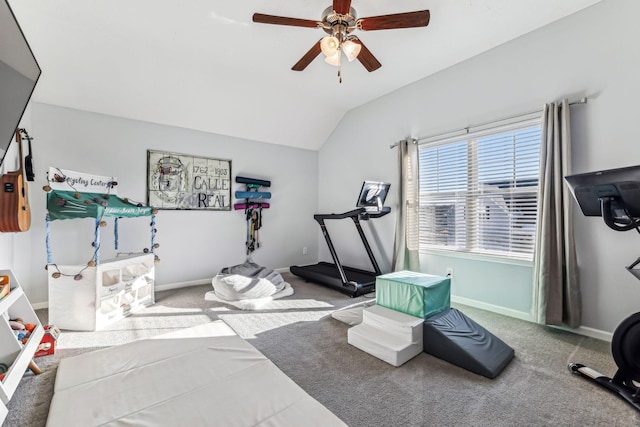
[334,59]
[338,21]
[329,45]
[351,49]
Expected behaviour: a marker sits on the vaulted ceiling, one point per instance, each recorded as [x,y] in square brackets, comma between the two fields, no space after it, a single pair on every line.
[205,65]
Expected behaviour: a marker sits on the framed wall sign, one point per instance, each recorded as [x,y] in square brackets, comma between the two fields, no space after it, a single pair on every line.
[183,181]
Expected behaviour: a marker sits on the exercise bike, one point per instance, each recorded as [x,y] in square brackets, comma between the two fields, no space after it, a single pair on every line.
[615,195]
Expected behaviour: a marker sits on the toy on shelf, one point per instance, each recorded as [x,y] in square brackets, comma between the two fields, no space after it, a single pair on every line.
[48,342]
[5,286]
[21,330]
[253,204]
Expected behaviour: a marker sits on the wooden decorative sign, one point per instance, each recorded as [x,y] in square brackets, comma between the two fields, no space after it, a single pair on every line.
[183,181]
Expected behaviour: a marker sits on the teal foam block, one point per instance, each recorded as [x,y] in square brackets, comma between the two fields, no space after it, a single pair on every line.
[418,294]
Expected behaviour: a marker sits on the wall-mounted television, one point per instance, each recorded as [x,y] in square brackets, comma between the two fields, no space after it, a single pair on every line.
[372,195]
[613,194]
[19,73]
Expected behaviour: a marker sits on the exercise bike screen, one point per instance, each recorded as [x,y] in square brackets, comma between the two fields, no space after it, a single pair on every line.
[621,184]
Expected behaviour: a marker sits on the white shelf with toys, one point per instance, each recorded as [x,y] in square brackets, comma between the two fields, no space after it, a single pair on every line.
[3,412]
[15,355]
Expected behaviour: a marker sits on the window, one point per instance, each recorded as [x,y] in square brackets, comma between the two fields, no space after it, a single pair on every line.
[478,192]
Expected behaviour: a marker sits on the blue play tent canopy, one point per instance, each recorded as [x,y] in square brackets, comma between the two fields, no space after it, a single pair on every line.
[71,202]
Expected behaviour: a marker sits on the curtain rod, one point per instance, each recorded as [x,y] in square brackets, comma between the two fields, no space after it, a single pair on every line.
[466,129]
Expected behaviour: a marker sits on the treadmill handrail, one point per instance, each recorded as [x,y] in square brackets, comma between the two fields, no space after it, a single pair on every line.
[375,214]
[361,212]
[349,214]
[355,215]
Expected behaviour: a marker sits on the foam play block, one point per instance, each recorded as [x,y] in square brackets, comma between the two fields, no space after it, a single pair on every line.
[389,335]
[259,182]
[253,195]
[395,322]
[417,294]
[386,346]
[457,339]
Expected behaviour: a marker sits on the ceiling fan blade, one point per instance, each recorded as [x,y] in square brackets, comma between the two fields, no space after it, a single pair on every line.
[419,18]
[307,57]
[282,20]
[342,6]
[366,58]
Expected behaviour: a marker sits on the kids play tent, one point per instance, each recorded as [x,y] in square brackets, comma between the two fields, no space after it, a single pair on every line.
[66,200]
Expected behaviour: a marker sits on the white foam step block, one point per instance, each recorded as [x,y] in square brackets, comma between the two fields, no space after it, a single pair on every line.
[394,322]
[386,346]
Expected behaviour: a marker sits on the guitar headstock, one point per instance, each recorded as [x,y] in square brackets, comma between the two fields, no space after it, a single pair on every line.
[21,133]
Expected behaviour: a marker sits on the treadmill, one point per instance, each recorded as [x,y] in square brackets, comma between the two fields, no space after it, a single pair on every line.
[351,281]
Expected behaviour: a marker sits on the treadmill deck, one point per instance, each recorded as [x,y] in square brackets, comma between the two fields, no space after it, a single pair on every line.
[327,274]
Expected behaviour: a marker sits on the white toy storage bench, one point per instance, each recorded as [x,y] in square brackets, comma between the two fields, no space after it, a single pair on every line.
[105,293]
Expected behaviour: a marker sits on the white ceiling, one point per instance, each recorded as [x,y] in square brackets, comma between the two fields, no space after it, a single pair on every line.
[205,65]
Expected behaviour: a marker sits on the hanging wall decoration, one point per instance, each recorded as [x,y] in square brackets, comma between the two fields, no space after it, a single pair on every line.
[183,181]
[252,201]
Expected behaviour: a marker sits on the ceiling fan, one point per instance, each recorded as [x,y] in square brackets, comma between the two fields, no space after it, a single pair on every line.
[339,20]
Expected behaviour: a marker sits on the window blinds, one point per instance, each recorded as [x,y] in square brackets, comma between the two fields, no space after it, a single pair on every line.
[478,192]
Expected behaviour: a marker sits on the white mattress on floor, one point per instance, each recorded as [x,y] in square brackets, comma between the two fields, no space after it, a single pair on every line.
[201,376]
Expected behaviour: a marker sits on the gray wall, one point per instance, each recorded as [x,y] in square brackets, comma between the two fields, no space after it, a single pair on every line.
[194,245]
[593,53]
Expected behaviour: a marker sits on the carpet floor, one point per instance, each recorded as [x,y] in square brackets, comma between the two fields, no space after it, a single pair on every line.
[298,334]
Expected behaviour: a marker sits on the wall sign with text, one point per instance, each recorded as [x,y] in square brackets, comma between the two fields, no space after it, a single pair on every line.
[183,181]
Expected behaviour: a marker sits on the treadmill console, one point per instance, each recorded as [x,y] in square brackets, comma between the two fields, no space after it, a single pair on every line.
[372,196]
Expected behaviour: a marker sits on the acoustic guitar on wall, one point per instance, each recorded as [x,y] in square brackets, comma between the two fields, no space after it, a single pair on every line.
[15,213]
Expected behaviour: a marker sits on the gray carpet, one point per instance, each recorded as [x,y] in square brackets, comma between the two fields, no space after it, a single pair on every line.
[300,337]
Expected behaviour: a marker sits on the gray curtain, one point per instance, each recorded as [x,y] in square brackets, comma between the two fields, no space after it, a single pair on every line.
[555,273]
[405,247]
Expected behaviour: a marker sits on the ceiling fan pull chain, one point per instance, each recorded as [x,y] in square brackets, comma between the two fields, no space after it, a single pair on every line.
[340,63]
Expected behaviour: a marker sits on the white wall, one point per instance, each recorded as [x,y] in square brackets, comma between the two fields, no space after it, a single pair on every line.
[593,53]
[194,245]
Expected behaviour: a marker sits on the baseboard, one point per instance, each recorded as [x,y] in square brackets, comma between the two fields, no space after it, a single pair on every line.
[40,305]
[492,308]
[178,285]
[589,332]
[199,282]
[581,330]
[165,287]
